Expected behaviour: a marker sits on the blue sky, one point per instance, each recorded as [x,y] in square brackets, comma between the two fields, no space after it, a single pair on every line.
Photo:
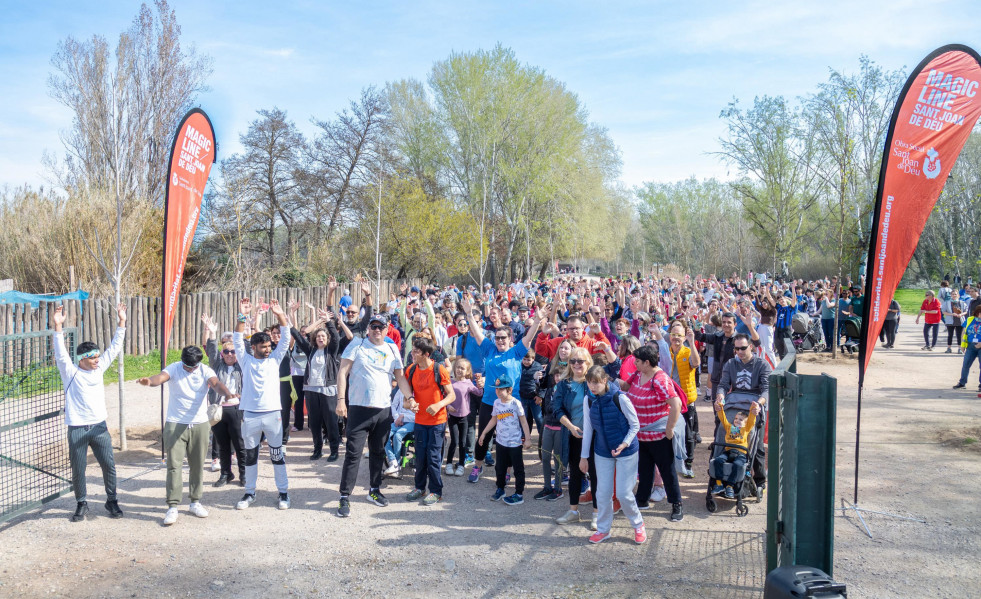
[655,74]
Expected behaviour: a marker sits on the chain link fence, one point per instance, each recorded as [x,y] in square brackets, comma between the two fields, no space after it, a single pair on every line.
[34,465]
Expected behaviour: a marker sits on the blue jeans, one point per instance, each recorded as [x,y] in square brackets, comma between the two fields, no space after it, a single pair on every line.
[394,445]
[533,412]
[429,456]
[828,327]
[969,356]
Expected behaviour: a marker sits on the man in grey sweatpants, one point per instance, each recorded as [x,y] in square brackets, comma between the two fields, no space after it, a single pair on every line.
[85,410]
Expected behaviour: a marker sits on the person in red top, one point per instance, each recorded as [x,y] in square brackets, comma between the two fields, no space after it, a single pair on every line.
[654,398]
[575,333]
[433,391]
[931,311]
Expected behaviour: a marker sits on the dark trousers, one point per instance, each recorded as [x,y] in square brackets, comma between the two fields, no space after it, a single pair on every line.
[472,432]
[782,340]
[365,424]
[691,427]
[323,415]
[228,434]
[298,406]
[286,401]
[738,461]
[927,330]
[429,456]
[575,474]
[954,334]
[510,457]
[660,454]
[759,458]
[889,332]
[970,354]
[482,419]
[458,437]
[96,436]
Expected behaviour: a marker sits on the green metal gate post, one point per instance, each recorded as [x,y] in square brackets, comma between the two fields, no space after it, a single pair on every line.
[801,469]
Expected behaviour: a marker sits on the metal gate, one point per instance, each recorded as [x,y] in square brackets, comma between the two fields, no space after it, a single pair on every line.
[34,465]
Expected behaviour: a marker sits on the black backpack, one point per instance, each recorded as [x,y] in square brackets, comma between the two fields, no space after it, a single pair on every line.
[436,375]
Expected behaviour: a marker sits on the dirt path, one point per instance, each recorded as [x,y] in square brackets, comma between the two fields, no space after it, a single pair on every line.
[469,546]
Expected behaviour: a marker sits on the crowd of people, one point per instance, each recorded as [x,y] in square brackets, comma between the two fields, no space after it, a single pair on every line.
[596,380]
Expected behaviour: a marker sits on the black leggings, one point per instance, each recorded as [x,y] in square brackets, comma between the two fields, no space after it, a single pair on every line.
[954,333]
[228,434]
[691,429]
[286,402]
[510,457]
[298,406]
[927,329]
[575,474]
[458,438]
[323,415]
[483,417]
[660,454]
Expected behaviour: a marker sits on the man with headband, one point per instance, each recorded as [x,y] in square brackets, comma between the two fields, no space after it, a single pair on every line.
[85,409]
[187,428]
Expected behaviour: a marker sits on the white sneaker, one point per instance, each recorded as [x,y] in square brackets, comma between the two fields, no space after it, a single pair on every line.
[284,501]
[197,509]
[449,469]
[247,500]
[170,517]
[568,517]
[659,494]
[459,470]
[592,522]
[215,465]
[393,468]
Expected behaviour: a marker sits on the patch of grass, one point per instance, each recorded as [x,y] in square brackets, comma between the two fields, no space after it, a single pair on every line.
[910,300]
[136,367]
[969,441]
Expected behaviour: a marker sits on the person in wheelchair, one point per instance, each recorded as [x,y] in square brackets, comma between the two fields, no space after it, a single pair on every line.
[736,448]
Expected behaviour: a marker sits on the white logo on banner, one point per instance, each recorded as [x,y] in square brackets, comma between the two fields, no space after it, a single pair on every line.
[931,166]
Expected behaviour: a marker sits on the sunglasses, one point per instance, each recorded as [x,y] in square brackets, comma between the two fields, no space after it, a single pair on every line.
[577,361]
[228,352]
[740,347]
[377,327]
[500,338]
[462,323]
[678,335]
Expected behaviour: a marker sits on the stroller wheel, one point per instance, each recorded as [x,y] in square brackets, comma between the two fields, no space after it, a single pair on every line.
[711,505]
[741,510]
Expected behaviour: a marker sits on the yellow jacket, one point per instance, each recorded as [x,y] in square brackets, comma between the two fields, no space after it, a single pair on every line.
[686,373]
[742,439]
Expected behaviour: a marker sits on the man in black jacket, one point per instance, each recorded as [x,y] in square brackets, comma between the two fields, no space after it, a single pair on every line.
[745,380]
[720,344]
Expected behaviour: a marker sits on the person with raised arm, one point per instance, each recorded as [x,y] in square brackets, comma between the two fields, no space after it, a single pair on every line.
[187,427]
[260,402]
[85,409]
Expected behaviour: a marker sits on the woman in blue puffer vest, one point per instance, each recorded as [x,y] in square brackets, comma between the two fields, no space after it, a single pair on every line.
[610,428]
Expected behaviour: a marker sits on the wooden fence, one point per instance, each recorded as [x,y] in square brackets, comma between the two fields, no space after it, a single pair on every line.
[97,317]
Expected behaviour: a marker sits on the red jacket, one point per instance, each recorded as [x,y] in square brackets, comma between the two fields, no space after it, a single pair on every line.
[544,346]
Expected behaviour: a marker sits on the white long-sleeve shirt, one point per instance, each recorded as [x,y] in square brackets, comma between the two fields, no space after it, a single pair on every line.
[85,393]
[260,378]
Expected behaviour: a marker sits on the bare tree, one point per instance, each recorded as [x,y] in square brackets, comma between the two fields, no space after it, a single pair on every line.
[126,104]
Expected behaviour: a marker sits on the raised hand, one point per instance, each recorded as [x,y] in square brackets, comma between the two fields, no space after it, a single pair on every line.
[209,323]
[365,287]
[294,306]
[331,283]
[59,317]
[276,308]
[121,313]
[245,306]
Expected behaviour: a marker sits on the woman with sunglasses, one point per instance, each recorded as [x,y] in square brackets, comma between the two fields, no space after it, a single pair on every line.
[567,405]
[228,431]
[501,358]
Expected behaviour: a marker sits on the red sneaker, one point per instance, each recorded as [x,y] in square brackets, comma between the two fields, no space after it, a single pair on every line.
[586,497]
[616,505]
[599,537]
[640,535]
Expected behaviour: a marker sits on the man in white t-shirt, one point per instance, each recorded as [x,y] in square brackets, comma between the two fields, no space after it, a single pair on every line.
[187,429]
[85,409]
[372,363]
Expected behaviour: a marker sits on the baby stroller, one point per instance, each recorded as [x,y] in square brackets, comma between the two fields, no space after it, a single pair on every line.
[806,333]
[739,478]
[853,334]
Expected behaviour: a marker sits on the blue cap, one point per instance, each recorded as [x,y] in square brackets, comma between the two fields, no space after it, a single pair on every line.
[414,289]
[503,382]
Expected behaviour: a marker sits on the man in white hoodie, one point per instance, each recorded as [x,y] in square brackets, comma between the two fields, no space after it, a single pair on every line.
[260,403]
[85,409]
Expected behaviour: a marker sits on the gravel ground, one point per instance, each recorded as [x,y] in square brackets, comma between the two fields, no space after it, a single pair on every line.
[914,462]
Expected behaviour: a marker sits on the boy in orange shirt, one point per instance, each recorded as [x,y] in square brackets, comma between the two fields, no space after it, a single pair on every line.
[432,390]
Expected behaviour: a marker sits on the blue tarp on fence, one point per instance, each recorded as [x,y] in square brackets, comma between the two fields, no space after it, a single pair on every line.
[19,297]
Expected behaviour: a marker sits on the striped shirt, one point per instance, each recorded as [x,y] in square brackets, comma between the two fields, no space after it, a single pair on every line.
[650,399]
